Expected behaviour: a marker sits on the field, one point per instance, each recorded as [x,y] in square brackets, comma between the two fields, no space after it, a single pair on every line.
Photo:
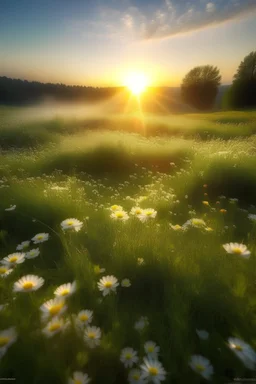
[78,163]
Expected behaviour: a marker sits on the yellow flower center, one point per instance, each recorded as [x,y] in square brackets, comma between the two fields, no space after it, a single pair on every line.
[238,251]
[28,285]
[153,371]
[149,213]
[4,340]
[91,335]
[150,349]
[138,211]
[128,356]
[13,259]
[200,368]
[120,215]
[77,381]
[65,292]
[238,348]
[136,376]
[3,270]
[55,309]
[70,222]
[83,317]
[39,237]
[114,207]
[108,284]
[54,327]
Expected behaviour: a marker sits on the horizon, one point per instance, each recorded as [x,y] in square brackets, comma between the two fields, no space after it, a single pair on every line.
[99,43]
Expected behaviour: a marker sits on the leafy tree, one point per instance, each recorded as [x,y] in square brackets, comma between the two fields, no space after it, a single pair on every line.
[242,93]
[200,86]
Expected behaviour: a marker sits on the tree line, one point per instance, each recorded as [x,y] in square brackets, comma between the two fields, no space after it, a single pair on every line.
[199,87]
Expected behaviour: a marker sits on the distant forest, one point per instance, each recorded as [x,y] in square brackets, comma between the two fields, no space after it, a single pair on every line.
[20,92]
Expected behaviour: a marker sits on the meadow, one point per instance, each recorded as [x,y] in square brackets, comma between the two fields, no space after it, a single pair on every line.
[192,180]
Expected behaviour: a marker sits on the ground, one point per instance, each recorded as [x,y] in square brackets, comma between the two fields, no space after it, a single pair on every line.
[78,165]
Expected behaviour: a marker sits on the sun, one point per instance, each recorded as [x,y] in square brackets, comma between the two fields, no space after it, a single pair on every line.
[136,82]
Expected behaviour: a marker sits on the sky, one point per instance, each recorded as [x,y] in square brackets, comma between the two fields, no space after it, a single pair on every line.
[99,42]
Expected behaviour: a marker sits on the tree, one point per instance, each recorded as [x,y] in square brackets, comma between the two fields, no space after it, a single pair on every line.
[200,86]
[242,92]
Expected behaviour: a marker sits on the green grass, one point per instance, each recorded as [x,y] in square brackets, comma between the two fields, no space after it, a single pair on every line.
[187,281]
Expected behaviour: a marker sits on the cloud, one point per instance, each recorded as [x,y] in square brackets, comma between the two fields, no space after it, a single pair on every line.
[210,7]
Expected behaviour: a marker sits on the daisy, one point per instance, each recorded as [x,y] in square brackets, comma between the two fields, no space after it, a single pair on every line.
[23,245]
[152,370]
[151,349]
[134,377]
[147,214]
[206,203]
[65,289]
[202,366]
[13,259]
[237,249]
[71,224]
[40,238]
[28,283]
[176,227]
[79,378]
[84,317]
[7,338]
[243,351]
[252,217]
[125,283]
[108,284]
[98,270]
[140,261]
[141,323]
[32,254]
[115,208]
[53,307]
[128,357]
[92,336]
[194,222]
[5,270]
[136,211]
[119,215]
[11,208]
[54,326]
[202,334]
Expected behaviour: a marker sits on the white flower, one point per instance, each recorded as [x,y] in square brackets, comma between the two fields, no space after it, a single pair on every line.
[115,208]
[152,370]
[125,283]
[84,317]
[140,261]
[141,323]
[23,245]
[92,336]
[54,326]
[237,249]
[243,351]
[5,270]
[28,283]
[32,254]
[71,224]
[201,365]
[136,211]
[194,222]
[40,238]
[98,270]
[128,357]
[7,338]
[252,217]
[119,215]
[134,377]
[14,259]
[53,307]
[65,289]
[147,214]
[202,334]
[11,208]
[151,349]
[108,284]
[79,378]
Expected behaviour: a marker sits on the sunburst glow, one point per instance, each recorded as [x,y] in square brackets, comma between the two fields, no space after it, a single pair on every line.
[136,82]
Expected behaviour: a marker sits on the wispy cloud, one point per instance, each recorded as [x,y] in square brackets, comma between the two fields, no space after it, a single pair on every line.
[167,18]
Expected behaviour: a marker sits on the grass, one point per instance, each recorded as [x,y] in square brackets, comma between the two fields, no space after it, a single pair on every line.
[53,168]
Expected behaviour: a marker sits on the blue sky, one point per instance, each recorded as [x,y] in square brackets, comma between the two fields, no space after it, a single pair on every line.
[98,42]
